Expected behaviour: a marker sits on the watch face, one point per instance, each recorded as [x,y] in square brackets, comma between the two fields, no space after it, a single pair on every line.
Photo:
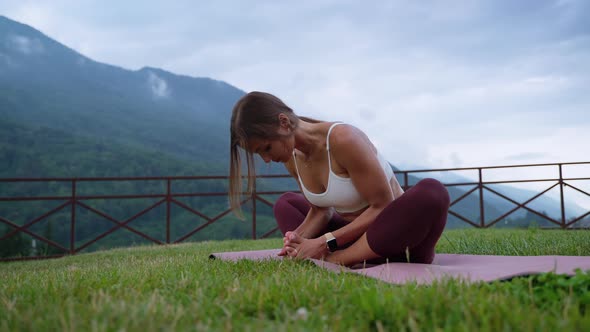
[332,245]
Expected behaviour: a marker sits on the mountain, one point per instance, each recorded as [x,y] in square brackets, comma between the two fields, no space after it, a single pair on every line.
[32,151]
[44,83]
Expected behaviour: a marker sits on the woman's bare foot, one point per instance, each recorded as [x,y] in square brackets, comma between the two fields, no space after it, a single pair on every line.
[296,246]
[358,252]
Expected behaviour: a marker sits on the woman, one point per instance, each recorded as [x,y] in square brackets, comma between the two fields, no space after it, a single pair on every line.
[352,208]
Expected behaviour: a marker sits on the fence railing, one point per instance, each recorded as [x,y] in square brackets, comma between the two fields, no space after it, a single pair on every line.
[170,198]
[481,186]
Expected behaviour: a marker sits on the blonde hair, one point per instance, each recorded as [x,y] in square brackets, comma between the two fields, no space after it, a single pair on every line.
[255,115]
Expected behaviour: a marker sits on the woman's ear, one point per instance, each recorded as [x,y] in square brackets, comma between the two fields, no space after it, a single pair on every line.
[284,121]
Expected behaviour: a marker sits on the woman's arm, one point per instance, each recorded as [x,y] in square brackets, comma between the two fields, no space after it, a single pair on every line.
[353,152]
[316,220]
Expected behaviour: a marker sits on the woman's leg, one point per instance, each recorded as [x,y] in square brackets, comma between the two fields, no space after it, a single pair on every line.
[414,221]
[424,252]
[290,210]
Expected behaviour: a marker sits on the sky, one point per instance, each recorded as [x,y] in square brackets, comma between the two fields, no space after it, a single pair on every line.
[434,84]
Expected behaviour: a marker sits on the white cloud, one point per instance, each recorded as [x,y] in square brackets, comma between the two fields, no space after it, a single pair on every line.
[158,86]
[544,146]
[25,45]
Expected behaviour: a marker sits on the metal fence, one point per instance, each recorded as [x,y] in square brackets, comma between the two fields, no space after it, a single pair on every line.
[482,186]
[169,198]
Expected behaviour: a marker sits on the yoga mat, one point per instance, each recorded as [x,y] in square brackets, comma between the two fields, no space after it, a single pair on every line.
[468,268]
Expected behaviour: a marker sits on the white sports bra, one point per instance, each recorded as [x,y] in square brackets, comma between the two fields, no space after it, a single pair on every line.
[340,192]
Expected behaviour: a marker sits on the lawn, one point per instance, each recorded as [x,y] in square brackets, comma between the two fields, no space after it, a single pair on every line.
[177,287]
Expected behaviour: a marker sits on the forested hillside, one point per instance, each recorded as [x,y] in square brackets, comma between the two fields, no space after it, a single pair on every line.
[27,151]
[43,83]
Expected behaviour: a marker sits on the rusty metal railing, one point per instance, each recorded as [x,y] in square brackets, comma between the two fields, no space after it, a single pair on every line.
[73,200]
[481,186]
[170,198]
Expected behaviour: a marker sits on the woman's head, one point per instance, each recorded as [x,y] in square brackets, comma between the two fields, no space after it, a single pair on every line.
[259,122]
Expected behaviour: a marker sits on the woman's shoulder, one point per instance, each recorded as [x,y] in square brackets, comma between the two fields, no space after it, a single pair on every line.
[347,135]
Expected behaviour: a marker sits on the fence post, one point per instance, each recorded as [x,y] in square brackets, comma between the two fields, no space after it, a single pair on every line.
[73,219]
[168,199]
[561,194]
[254,210]
[405,181]
[481,207]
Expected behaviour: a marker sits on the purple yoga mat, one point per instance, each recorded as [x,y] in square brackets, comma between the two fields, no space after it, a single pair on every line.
[468,268]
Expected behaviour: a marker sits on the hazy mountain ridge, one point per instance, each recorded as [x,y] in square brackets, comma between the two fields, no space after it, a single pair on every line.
[51,85]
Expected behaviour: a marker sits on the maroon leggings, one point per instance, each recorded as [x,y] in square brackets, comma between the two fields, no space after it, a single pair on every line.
[415,220]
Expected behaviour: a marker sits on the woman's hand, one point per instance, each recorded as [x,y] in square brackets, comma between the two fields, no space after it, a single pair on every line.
[298,247]
[284,251]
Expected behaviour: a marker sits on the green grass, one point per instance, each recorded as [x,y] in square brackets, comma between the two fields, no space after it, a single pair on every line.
[177,287]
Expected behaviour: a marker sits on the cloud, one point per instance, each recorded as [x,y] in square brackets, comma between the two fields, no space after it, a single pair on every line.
[158,86]
[24,45]
[541,147]
[527,156]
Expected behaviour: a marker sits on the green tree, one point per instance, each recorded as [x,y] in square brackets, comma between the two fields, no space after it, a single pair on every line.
[15,245]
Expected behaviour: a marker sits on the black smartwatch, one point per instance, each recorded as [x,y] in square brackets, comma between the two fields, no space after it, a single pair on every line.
[331,243]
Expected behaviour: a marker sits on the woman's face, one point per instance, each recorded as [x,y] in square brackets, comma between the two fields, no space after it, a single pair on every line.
[278,150]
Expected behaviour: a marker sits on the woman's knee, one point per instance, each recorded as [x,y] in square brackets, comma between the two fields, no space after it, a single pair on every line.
[289,211]
[286,199]
[437,191]
[432,184]
[280,204]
